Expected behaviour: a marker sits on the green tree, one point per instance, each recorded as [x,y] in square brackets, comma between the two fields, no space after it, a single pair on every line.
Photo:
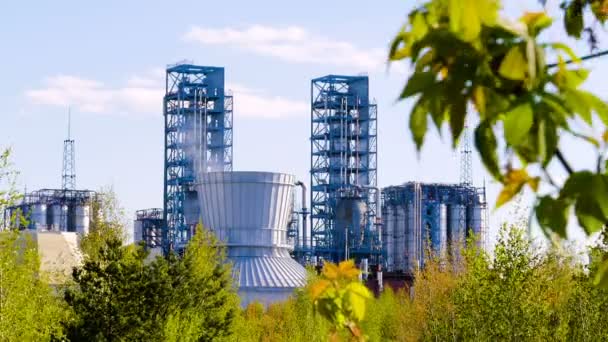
[108,223]
[117,295]
[8,195]
[468,59]
[203,299]
[518,295]
[29,309]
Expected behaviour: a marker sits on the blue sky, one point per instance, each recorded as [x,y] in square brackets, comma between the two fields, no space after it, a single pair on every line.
[106,59]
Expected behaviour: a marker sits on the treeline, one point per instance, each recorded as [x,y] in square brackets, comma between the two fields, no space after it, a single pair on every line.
[119,294]
[517,294]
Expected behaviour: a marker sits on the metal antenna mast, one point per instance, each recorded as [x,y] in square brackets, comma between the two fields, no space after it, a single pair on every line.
[68,174]
[466,161]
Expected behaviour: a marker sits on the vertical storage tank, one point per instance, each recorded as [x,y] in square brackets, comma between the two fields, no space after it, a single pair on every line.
[249,212]
[400,229]
[475,222]
[55,218]
[82,218]
[388,237]
[457,226]
[349,223]
[38,217]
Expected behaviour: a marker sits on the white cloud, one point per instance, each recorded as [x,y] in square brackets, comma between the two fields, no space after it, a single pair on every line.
[140,95]
[143,94]
[254,103]
[293,44]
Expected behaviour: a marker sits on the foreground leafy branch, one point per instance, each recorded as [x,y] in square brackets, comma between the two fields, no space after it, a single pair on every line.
[340,297]
[467,58]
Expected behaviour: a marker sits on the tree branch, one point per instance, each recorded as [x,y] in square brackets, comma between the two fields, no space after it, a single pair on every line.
[563,161]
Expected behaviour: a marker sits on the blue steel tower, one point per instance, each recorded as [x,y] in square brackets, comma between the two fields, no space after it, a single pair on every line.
[343,168]
[198,138]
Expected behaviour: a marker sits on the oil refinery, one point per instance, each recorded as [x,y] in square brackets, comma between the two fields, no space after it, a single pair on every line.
[269,235]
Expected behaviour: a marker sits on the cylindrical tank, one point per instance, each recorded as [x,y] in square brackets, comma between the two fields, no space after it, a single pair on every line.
[400,222]
[55,218]
[457,225]
[411,237]
[82,218]
[137,231]
[443,224]
[249,212]
[388,237]
[476,223]
[349,222]
[38,217]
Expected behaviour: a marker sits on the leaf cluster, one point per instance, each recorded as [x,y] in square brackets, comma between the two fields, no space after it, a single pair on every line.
[467,58]
[340,297]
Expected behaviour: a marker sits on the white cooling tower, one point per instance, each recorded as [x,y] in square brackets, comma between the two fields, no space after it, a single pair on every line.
[249,212]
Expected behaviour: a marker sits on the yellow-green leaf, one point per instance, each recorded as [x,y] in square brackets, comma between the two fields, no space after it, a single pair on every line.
[479,99]
[357,294]
[565,48]
[514,65]
[518,122]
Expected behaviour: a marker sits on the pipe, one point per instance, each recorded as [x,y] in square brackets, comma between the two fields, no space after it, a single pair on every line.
[378,209]
[304,214]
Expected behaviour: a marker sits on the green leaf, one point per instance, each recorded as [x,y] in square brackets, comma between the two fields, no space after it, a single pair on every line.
[599,106]
[579,103]
[514,65]
[460,11]
[573,20]
[418,123]
[590,191]
[518,122]
[547,141]
[485,142]
[570,79]
[559,112]
[417,83]
[589,214]
[576,184]
[552,214]
[457,111]
[565,48]
[419,26]
[436,105]
[400,47]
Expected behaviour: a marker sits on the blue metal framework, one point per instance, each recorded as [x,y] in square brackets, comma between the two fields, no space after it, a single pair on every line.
[343,161]
[198,138]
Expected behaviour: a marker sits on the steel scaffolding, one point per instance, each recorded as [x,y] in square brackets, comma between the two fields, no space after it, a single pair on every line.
[198,138]
[343,165]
